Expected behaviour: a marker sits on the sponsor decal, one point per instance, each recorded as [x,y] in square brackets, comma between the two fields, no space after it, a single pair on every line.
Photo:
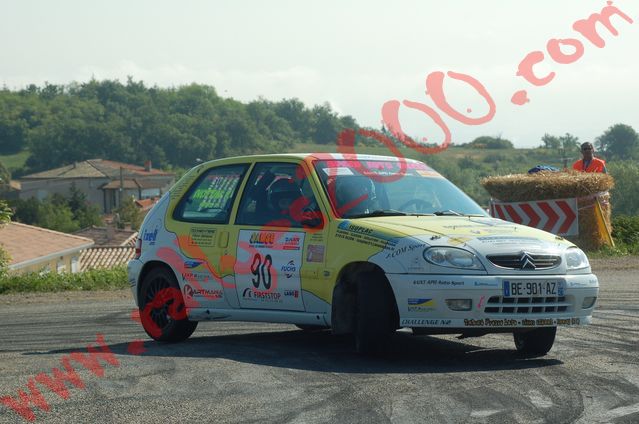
[490,322]
[289,269]
[202,236]
[568,321]
[262,239]
[407,322]
[150,236]
[421,305]
[315,253]
[192,264]
[190,276]
[405,249]
[291,243]
[509,240]
[251,294]
[437,283]
[292,293]
[364,235]
[190,293]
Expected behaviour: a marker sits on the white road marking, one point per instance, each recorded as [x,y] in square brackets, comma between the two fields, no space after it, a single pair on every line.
[539,400]
[485,413]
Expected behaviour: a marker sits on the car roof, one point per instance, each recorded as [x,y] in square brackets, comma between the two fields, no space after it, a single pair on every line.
[306,156]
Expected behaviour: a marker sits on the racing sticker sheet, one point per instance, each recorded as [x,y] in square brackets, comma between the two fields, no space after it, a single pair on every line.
[267,274]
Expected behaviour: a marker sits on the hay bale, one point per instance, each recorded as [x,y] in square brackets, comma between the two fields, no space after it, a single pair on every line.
[546,185]
[586,187]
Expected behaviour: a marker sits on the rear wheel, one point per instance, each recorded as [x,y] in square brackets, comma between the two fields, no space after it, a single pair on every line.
[374,326]
[162,307]
[535,342]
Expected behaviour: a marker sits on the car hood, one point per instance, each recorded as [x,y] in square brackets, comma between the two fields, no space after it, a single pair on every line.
[445,225]
[406,237]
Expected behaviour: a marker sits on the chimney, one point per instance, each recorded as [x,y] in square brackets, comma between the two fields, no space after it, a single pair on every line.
[148,166]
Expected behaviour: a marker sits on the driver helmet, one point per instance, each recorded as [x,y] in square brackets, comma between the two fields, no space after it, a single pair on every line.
[358,192]
[282,193]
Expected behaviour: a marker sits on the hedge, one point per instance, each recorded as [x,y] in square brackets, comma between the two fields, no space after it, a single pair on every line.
[95,279]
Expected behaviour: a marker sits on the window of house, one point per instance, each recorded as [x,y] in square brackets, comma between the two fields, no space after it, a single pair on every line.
[210,198]
[61,266]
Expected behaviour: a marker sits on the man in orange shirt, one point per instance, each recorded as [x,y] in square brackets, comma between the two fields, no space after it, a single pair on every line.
[589,163]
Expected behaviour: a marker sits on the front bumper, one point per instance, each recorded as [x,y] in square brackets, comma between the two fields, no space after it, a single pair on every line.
[421,301]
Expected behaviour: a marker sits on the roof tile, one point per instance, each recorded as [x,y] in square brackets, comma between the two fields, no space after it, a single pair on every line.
[27,242]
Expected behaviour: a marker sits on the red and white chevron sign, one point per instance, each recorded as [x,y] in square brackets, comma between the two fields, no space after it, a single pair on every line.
[556,216]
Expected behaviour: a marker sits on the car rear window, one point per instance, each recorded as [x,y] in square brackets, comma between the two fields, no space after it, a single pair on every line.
[210,198]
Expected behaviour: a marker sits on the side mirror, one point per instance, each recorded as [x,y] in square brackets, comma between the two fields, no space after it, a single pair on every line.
[311,218]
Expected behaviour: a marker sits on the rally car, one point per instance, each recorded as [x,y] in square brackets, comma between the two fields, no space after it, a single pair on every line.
[359,244]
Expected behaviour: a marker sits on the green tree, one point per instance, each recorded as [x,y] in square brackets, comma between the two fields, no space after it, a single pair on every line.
[551,141]
[624,196]
[5,178]
[53,213]
[84,214]
[569,142]
[326,125]
[56,216]
[620,141]
[129,213]
[488,142]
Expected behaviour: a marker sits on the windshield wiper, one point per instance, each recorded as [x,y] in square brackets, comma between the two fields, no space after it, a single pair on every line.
[379,212]
[448,212]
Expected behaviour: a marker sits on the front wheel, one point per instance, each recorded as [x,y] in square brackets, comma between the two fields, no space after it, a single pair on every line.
[162,309]
[374,324]
[535,342]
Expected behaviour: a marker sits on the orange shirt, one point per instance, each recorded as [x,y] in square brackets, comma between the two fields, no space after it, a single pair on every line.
[595,165]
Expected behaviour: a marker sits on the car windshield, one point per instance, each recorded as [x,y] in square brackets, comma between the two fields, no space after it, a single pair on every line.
[360,188]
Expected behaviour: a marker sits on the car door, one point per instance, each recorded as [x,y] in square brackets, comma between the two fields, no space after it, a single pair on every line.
[200,221]
[275,224]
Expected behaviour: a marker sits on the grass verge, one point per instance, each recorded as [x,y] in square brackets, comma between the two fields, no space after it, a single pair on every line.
[95,279]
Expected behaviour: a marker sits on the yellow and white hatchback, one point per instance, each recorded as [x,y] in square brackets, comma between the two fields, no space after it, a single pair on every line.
[362,245]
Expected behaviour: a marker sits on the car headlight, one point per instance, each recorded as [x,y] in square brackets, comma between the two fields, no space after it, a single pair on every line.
[576,259]
[452,258]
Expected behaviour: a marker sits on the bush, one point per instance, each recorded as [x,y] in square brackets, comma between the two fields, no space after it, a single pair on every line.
[624,199]
[95,279]
[625,231]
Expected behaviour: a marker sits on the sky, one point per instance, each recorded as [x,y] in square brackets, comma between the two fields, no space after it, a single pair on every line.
[356,55]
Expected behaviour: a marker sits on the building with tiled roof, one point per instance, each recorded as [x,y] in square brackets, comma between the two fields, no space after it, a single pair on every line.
[35,249]
[108,236]
[104,182]
[106,257]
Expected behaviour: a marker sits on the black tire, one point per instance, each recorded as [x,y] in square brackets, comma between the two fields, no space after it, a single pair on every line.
[535,342]
[311,328]
[373,326]
[165,321]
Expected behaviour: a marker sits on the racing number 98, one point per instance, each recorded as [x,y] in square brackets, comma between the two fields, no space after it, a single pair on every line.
[258,270]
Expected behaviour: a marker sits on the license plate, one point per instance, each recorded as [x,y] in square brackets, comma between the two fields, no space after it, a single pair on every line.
[533,288]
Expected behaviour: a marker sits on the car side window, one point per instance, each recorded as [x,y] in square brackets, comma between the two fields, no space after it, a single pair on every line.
[277,194]
[210,198]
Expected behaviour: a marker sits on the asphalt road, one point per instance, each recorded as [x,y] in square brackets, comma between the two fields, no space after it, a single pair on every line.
[245,372]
